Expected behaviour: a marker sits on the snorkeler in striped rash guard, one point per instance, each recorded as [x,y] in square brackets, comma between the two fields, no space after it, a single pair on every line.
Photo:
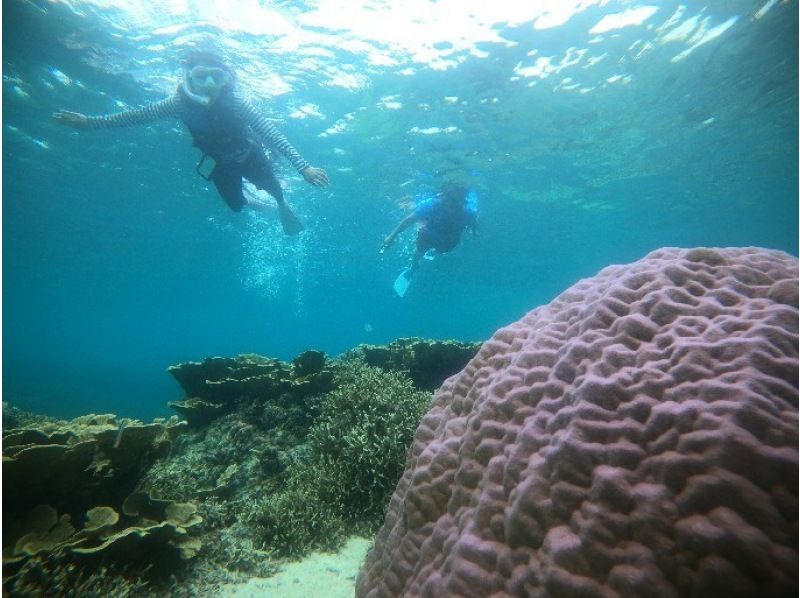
[225,127]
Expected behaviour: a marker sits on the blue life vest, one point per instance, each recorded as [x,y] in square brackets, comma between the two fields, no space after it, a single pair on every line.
[444,225]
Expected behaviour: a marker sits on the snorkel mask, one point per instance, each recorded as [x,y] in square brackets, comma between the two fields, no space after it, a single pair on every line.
[204,82]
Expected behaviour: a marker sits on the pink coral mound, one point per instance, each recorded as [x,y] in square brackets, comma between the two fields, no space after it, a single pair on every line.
[635,437]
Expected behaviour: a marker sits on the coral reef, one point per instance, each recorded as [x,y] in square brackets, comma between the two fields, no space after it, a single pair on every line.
[636,436]
[51,577]
[428,362]
[261,474]
[83,469]
[75,465]
[215,385]
[147,523]
[13,417]
[360,437]
[355,454]
[227,468]
[276,458]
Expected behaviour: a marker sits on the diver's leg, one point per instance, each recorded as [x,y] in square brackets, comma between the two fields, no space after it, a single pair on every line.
[259,172]
[424,243]
[415,262]
[228,182]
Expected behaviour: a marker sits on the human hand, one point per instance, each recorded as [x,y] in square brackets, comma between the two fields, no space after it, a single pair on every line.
[72,119]
[316,176]
[387,242]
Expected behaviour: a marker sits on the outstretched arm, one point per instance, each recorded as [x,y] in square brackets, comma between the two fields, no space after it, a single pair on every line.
[403,225]
[138,116]
[270,133]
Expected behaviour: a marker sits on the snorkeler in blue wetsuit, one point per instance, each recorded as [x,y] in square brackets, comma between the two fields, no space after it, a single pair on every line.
[442,220]
[225,127]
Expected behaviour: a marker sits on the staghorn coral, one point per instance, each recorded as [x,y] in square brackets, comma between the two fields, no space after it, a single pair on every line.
[300,517]
[51,577]
[355,455]
[224,465]
[635,437]
[226,468]
[360,437]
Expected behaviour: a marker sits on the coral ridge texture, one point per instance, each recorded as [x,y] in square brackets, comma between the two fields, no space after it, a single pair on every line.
[635,437]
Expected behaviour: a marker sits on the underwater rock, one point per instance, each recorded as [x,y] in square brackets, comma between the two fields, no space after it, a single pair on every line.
[428,362]
[636,436]
[74,465]
[213,385]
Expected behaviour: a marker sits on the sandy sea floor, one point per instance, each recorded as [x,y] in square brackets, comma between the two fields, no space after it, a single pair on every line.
[319,575]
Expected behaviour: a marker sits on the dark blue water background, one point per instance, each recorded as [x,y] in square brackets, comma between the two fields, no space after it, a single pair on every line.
[118,261]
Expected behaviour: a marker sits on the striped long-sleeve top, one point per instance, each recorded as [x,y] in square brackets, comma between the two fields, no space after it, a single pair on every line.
[176,106]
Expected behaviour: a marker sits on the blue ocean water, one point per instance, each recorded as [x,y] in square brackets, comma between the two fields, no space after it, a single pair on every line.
[592,131]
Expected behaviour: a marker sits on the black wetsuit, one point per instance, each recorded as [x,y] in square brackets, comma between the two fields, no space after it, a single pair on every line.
[230,131]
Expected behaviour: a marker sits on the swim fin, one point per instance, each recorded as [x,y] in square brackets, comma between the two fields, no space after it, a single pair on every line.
[291,224]
[402,282]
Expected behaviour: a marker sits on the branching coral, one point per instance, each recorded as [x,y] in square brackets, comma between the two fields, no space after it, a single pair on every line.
[356,452]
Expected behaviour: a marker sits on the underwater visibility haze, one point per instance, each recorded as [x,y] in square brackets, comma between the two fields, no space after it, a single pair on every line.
[591,131]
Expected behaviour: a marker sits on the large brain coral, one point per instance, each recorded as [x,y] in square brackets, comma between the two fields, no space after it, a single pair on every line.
[635,437]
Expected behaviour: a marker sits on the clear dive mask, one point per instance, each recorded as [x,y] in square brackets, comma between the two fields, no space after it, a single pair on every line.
[203,83]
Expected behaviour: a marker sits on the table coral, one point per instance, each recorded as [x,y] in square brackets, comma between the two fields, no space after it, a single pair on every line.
[428,362]
[51,534]
[75,464]
[213,386]
[636,436]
